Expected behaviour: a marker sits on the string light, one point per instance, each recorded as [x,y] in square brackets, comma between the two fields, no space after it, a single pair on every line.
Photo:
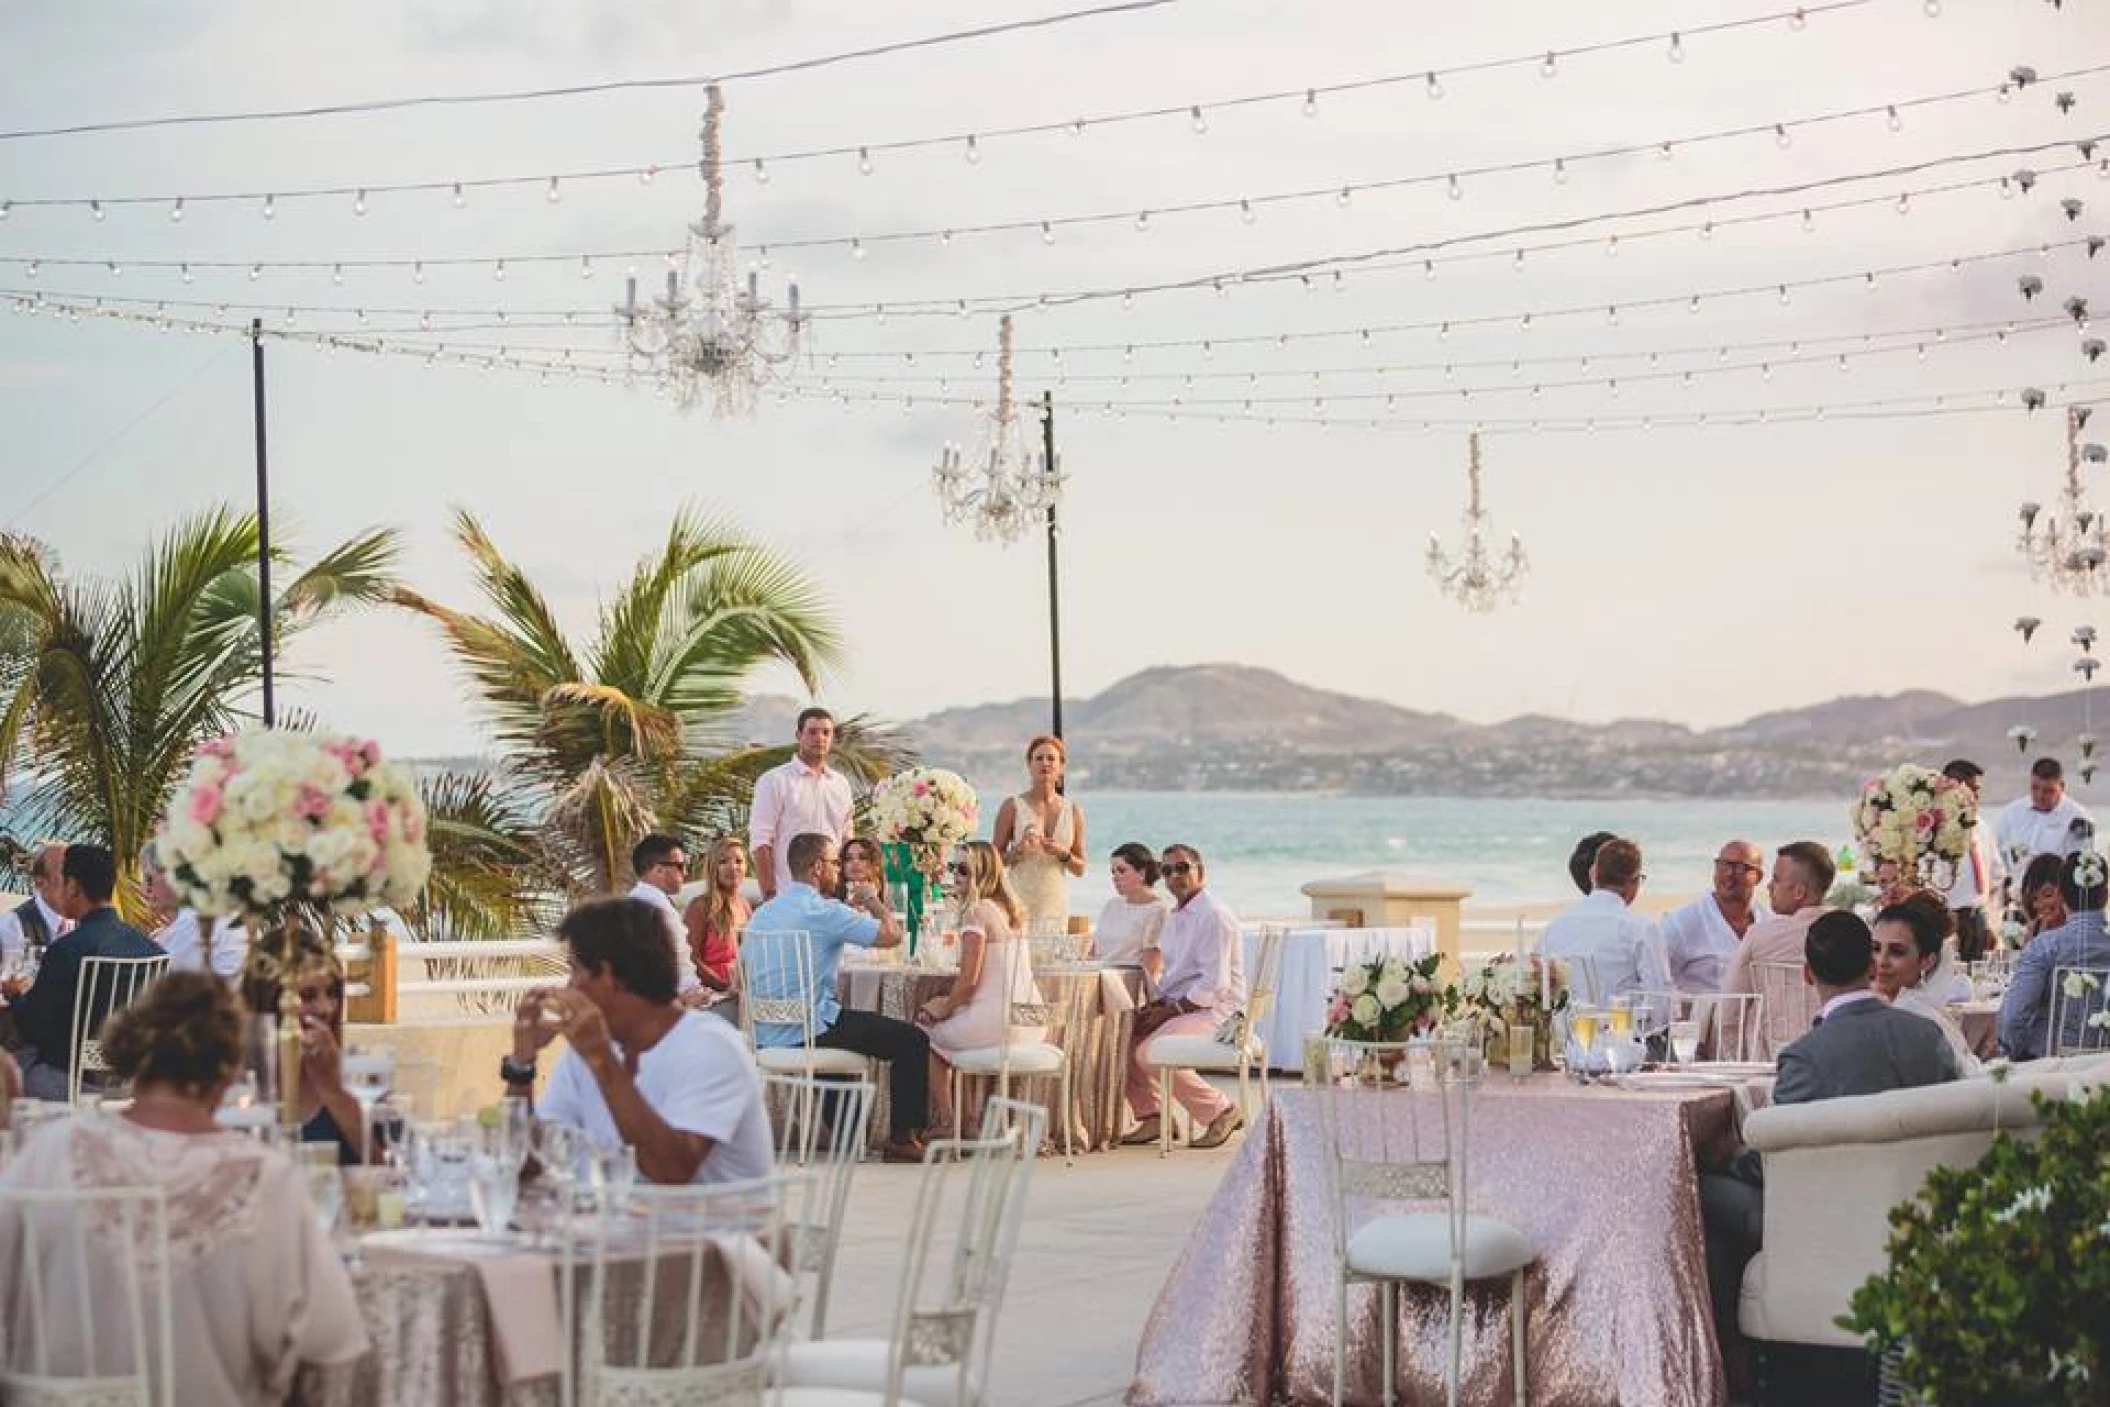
[459,199]
[1895,122]
[1676,52]
[864,161]
[974,150]
[1311,102]
[270,207]
[1548,68]
[1197,121]
[1246,214]
[359,203]
[552,194]
[95,210]
[1435,86]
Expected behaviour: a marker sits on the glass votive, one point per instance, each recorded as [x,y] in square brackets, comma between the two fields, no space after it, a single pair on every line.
[1317,1067]
[1523,1050]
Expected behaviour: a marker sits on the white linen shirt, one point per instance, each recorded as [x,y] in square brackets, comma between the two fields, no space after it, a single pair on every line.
[1698,943]
[13,940]
[1967,892]
[182,937]
[1204,956]
[686,979]
[2025,831]
[1623,948]
[698,1077]
[795,800]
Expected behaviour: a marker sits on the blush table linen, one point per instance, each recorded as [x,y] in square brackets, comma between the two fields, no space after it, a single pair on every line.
[1600,1180]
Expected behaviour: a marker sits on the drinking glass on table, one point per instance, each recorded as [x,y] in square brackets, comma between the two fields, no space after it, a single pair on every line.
[367,1073]
[1685,1041]
[494,1191]
[1523,1050]
[1582,1032]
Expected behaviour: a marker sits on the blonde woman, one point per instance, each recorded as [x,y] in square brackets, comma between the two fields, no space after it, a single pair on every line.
[715,917]
[996,970]
[1041,835]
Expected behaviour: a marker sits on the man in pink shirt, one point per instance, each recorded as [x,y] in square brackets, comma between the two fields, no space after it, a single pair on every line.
[1201,985]
[804,796]
[1802,876]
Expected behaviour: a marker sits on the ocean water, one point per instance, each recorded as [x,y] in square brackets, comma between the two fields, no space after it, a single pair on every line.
[1260,848]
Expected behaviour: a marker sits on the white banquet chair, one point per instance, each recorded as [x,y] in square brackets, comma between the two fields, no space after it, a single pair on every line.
[2080,1011]
[1237,1047]
[1787,1005]
[776,989]
[106,987]
[1025,1060]
[1390,1150]
[681,1253]
[829,1148]
[962,1235]
[84,1298]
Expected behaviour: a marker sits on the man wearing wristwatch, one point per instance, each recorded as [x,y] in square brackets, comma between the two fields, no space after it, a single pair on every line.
[1201,986]
[676,1085]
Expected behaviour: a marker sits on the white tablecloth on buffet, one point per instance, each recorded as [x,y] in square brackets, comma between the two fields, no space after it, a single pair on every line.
[1310,958]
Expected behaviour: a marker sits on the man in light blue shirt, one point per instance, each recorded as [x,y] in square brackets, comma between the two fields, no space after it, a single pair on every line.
[2080,942]
[771,965]
[1603,938]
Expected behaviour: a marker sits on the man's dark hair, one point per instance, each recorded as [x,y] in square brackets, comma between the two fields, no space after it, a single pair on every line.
[1182,848]
[804,849]
[2047,769]
[1963,770]
[654,849]
[1617,863]
[626,938]
[1839,949]
[2081,897]
[807,715]
[1816,864]
[94,869]
[1584,855]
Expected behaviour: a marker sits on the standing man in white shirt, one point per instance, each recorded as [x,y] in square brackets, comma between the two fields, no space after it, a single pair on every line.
[662,867]
[2041,823]
[1979,875]
[37,919]
[1201,986]
[1622,949]
[1699,938]
[805,796]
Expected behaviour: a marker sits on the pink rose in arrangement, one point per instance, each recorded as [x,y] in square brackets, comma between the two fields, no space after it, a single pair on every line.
[314,802]
[205,803]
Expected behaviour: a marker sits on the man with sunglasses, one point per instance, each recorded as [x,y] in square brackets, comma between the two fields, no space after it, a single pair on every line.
[1201,985]
[1700,937]
[662,867]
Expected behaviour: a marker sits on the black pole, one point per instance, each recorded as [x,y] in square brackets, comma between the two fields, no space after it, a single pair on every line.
[1047,431]
[263,515]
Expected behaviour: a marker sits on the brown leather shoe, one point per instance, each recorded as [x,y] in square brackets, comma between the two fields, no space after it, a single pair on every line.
[1145,1133]
[906,1149]
[1220,1129]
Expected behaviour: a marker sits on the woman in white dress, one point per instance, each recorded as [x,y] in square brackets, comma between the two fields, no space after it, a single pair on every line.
[996,970]
[1040,833]
[257,1288]
[1128,927]
[1914,970]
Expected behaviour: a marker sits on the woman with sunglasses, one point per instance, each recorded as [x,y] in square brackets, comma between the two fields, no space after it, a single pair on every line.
[328,1112]
[996,971]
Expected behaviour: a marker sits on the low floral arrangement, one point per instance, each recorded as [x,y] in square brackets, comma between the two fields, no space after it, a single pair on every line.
[1997,1276]
[1386,999]
[271,820]
[1507,988]
[927,807]
[1916,819]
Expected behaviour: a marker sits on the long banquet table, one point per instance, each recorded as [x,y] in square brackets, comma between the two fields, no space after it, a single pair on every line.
[1091,1013]
[1600,1179]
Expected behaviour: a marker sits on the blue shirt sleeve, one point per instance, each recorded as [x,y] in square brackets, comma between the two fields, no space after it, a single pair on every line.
[2022,1009]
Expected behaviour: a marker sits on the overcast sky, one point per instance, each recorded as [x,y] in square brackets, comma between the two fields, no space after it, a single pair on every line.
[1701,574]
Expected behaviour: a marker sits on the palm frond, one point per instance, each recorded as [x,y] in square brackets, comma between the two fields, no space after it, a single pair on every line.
[488,877]
[602,813]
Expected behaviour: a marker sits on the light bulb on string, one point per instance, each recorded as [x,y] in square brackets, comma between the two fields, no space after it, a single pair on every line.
[551,192]
[337,274]
[1560,171]
[1428,270]
[864,161]
[270,207]
[1707,230]
[1548,67]
[459,199]
[857,248]
[1663,151]
[1809,223]
[417,273]
[1246,214]
[1904,205]
[585,266]
[1311,102]
[1676,52]
[1142,222]
[359,203]
[945,239]
[1047,233]
[1199,123]
[116,270]
[95,209]
[1342,197]
[974,150]
[256,271]
[1454,190]
[1781,138]
[761,172]
[2002,93]
[498,271]
[1517,262]
[1076,128]
[1783,295]
[1611,247]
[1799,20]
[1891,118]
[646,176]
[176,212]
[1435,86]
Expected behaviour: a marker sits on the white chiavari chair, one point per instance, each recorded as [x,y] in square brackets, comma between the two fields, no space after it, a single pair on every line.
[962,1236]
[2080,1011]
[1409,1153]
[776,972]
[1023,1060]
[828,1148]
[1236,1047]
[1787,1005]
[106,986]
[84,1298]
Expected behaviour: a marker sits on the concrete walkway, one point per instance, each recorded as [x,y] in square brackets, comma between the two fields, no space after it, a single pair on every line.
[1098,1241]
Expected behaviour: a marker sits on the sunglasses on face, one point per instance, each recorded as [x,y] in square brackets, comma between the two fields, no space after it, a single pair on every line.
[1177,867]
[958,868]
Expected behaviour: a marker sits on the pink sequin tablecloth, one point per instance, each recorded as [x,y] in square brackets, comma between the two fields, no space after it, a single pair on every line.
[1601,1180]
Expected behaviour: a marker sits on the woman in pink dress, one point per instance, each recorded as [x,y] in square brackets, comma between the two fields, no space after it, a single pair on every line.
[996,970]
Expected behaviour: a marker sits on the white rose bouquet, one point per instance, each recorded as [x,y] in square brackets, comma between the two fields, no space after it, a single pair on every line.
[926,808]
[1506,989]
[1918,820]
[271,820]
[1387,999]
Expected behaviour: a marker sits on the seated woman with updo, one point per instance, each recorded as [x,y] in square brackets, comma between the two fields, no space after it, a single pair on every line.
[256,1288]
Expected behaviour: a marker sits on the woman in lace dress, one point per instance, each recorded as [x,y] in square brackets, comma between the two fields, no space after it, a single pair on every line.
[996,970]
[1040,833]
[257,1289]
[1128,927]
[1914,970]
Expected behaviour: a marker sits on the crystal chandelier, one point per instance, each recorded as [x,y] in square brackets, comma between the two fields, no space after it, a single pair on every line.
[1475,579]
[1005,489]
[2067,550]
[712,334]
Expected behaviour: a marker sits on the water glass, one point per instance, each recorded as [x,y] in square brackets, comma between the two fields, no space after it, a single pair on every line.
[1685,1041]
[494,1190]
[1523,1050]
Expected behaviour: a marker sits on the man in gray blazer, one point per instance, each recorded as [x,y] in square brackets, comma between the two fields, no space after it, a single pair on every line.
[1859,1044]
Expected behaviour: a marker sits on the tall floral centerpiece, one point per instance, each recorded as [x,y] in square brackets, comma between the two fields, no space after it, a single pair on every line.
[272,825]
[919,814]
[1918,820]
[1386,999]
[1511,989]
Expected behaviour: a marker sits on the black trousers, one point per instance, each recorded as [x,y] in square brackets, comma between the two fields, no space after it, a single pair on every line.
[904,1047]
[1733,1222]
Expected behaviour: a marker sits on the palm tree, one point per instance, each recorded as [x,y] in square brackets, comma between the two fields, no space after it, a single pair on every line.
[107,687]
[631,733]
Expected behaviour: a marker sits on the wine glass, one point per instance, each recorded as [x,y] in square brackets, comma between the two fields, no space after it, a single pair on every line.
[367,1073]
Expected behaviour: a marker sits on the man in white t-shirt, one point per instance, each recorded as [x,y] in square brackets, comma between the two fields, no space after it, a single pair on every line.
[2044,822]
[662,867]
[677,1086]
